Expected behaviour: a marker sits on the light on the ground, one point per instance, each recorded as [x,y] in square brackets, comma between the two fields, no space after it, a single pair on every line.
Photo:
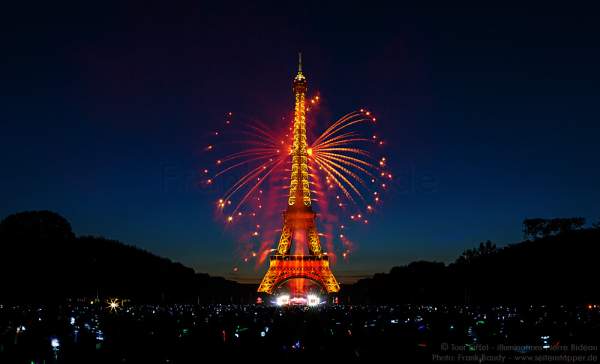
[312,300]
[283,300]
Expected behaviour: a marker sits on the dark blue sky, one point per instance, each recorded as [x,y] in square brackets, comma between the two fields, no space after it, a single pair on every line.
[492,114]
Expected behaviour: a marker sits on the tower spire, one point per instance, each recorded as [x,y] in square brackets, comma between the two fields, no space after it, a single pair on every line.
[299,76]
[299,184]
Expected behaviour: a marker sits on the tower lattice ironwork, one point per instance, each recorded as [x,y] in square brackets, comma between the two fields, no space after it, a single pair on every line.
[299,217]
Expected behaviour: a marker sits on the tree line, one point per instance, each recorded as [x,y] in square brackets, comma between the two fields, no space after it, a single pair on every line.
[41,260]
[557,263]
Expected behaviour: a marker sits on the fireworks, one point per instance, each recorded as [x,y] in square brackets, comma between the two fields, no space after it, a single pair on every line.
[253,167]
[261,156]
[338,154]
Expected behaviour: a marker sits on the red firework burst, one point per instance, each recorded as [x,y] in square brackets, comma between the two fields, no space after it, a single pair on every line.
[252,177]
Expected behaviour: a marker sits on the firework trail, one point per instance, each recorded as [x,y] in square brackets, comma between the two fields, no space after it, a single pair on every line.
[347,179]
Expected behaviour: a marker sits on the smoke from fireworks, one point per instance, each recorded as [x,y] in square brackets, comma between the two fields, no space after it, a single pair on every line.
[252,177]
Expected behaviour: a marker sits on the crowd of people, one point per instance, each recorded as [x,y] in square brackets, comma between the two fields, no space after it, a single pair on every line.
[123,332]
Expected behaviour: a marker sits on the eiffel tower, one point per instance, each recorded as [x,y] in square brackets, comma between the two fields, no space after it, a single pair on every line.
[299,217]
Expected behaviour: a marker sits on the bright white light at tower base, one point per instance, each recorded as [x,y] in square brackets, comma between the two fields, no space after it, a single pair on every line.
[282,300]
[313,300]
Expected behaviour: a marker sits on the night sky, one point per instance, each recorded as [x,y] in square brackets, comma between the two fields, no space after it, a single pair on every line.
[491,115]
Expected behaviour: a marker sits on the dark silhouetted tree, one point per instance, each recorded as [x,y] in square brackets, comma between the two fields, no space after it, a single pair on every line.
[39,225]
[572,223]
[538,228]
[533,228]
[484,249]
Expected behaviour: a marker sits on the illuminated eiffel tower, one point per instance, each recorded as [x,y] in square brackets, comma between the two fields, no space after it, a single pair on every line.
[299,217]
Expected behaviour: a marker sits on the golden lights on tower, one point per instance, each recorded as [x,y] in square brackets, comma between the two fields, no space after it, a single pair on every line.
[337,169]
[299,184]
